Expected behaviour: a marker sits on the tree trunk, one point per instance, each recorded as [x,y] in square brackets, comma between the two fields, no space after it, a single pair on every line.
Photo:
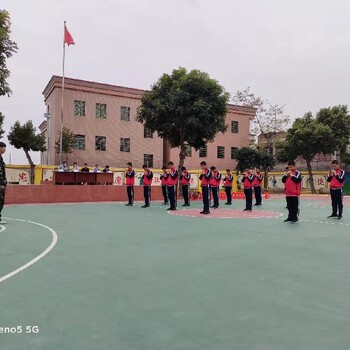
[32,166]
[266,179]
[311,177]
[182,156]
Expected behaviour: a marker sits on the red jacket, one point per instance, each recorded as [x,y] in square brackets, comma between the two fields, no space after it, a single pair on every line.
[130,177]
[336,181]
[147,178]
[258,180]
[173,176]
[216,179]
[228,180]
[292,184]
[205,178]
[164,178]
[185,178]
[248,181]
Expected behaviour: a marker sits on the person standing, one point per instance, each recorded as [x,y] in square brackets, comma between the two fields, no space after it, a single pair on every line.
[257,187]
[215,186]
[185,185]
[248,181]
[130,181]
[205,184]
[171,185]
[336,179]
[228,180]
[292,180]
[164,182]
[147,181]
[3,180]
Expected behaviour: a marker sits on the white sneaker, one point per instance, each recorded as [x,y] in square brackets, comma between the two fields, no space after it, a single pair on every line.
[2,222]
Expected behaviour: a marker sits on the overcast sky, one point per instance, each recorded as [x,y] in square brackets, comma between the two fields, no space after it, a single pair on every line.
[293,52]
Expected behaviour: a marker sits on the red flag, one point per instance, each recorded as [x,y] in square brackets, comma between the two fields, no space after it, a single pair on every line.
[68,39]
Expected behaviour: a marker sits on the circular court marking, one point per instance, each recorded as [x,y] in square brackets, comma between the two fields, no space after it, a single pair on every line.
[37,258]
[227,214]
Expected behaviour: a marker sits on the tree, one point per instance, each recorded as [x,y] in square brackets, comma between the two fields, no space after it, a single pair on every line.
[24,136]
[2,117]
[185,108]
[269,118]
[248,157]
[306,138]
[7,49]
[68,142]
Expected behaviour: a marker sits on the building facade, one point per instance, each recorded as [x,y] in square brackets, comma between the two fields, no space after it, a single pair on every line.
[102,118]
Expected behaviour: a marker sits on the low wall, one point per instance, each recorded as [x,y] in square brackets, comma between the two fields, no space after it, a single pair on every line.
[64,194]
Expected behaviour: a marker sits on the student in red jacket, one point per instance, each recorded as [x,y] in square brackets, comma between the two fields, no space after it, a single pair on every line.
[164,182]
[215,186]
[147,182]
[228,180]
[336,179]
[292,180]
[205,184]
[172,185]
[185,178]
[257,187]
[248,183]
[130,181]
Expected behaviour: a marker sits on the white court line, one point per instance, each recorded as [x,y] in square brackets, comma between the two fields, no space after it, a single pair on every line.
[37,258]
[2,228]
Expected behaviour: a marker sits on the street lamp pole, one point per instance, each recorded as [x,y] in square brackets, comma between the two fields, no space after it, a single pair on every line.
[47,116]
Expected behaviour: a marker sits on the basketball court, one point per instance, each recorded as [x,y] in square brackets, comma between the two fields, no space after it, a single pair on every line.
[105,276]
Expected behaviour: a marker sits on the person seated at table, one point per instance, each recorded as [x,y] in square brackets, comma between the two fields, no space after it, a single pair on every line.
[63,167]
[85,169]
[96,169]
[106,169]
[75,168]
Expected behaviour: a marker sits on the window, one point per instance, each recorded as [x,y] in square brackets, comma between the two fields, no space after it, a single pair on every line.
[100,143]
[188,150]
[221,152]
[101,110]
[124,145]
[148,160]
[203,152]
[79,108]
[147,133]
[233,149]
[125,113]
[234,126]
[79,142]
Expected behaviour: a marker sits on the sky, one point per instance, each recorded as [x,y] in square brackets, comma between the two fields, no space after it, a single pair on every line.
[292,52]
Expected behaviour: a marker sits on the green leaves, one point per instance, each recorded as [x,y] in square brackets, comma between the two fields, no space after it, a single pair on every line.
[248,157]
[68,141]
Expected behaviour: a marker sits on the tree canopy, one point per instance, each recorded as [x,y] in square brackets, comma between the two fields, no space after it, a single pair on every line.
[7,49]
[185,108]
[68,141]
[248,157]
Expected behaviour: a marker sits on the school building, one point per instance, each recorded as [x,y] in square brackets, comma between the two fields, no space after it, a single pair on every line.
[102,118]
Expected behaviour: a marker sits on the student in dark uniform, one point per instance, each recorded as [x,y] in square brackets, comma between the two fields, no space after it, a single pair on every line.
[85,169]
[130,181]
[205,184]
[172,185]
[164,182]
[147,182]
[248,181]
[228,180]
[257,187]
[3,181]
[215,186]
[185,185]
[336,179]
[292,180]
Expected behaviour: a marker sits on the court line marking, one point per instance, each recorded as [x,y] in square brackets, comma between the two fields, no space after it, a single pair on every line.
[37,258]
[2,228]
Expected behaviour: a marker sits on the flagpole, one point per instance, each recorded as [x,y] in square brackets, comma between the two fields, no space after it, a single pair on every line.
[62,99]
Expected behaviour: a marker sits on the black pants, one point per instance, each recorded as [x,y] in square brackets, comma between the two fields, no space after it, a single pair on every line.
[147,194]
[215,192]
[2,199]
[257,192]
[185,193]
[130,190]
[248,198]
[228,191]
[293,207]
[172,196]
[337,201]
[165,193]
[206,197]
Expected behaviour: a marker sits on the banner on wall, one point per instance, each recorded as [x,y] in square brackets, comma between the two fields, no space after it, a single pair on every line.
[320,181]
[18,176]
